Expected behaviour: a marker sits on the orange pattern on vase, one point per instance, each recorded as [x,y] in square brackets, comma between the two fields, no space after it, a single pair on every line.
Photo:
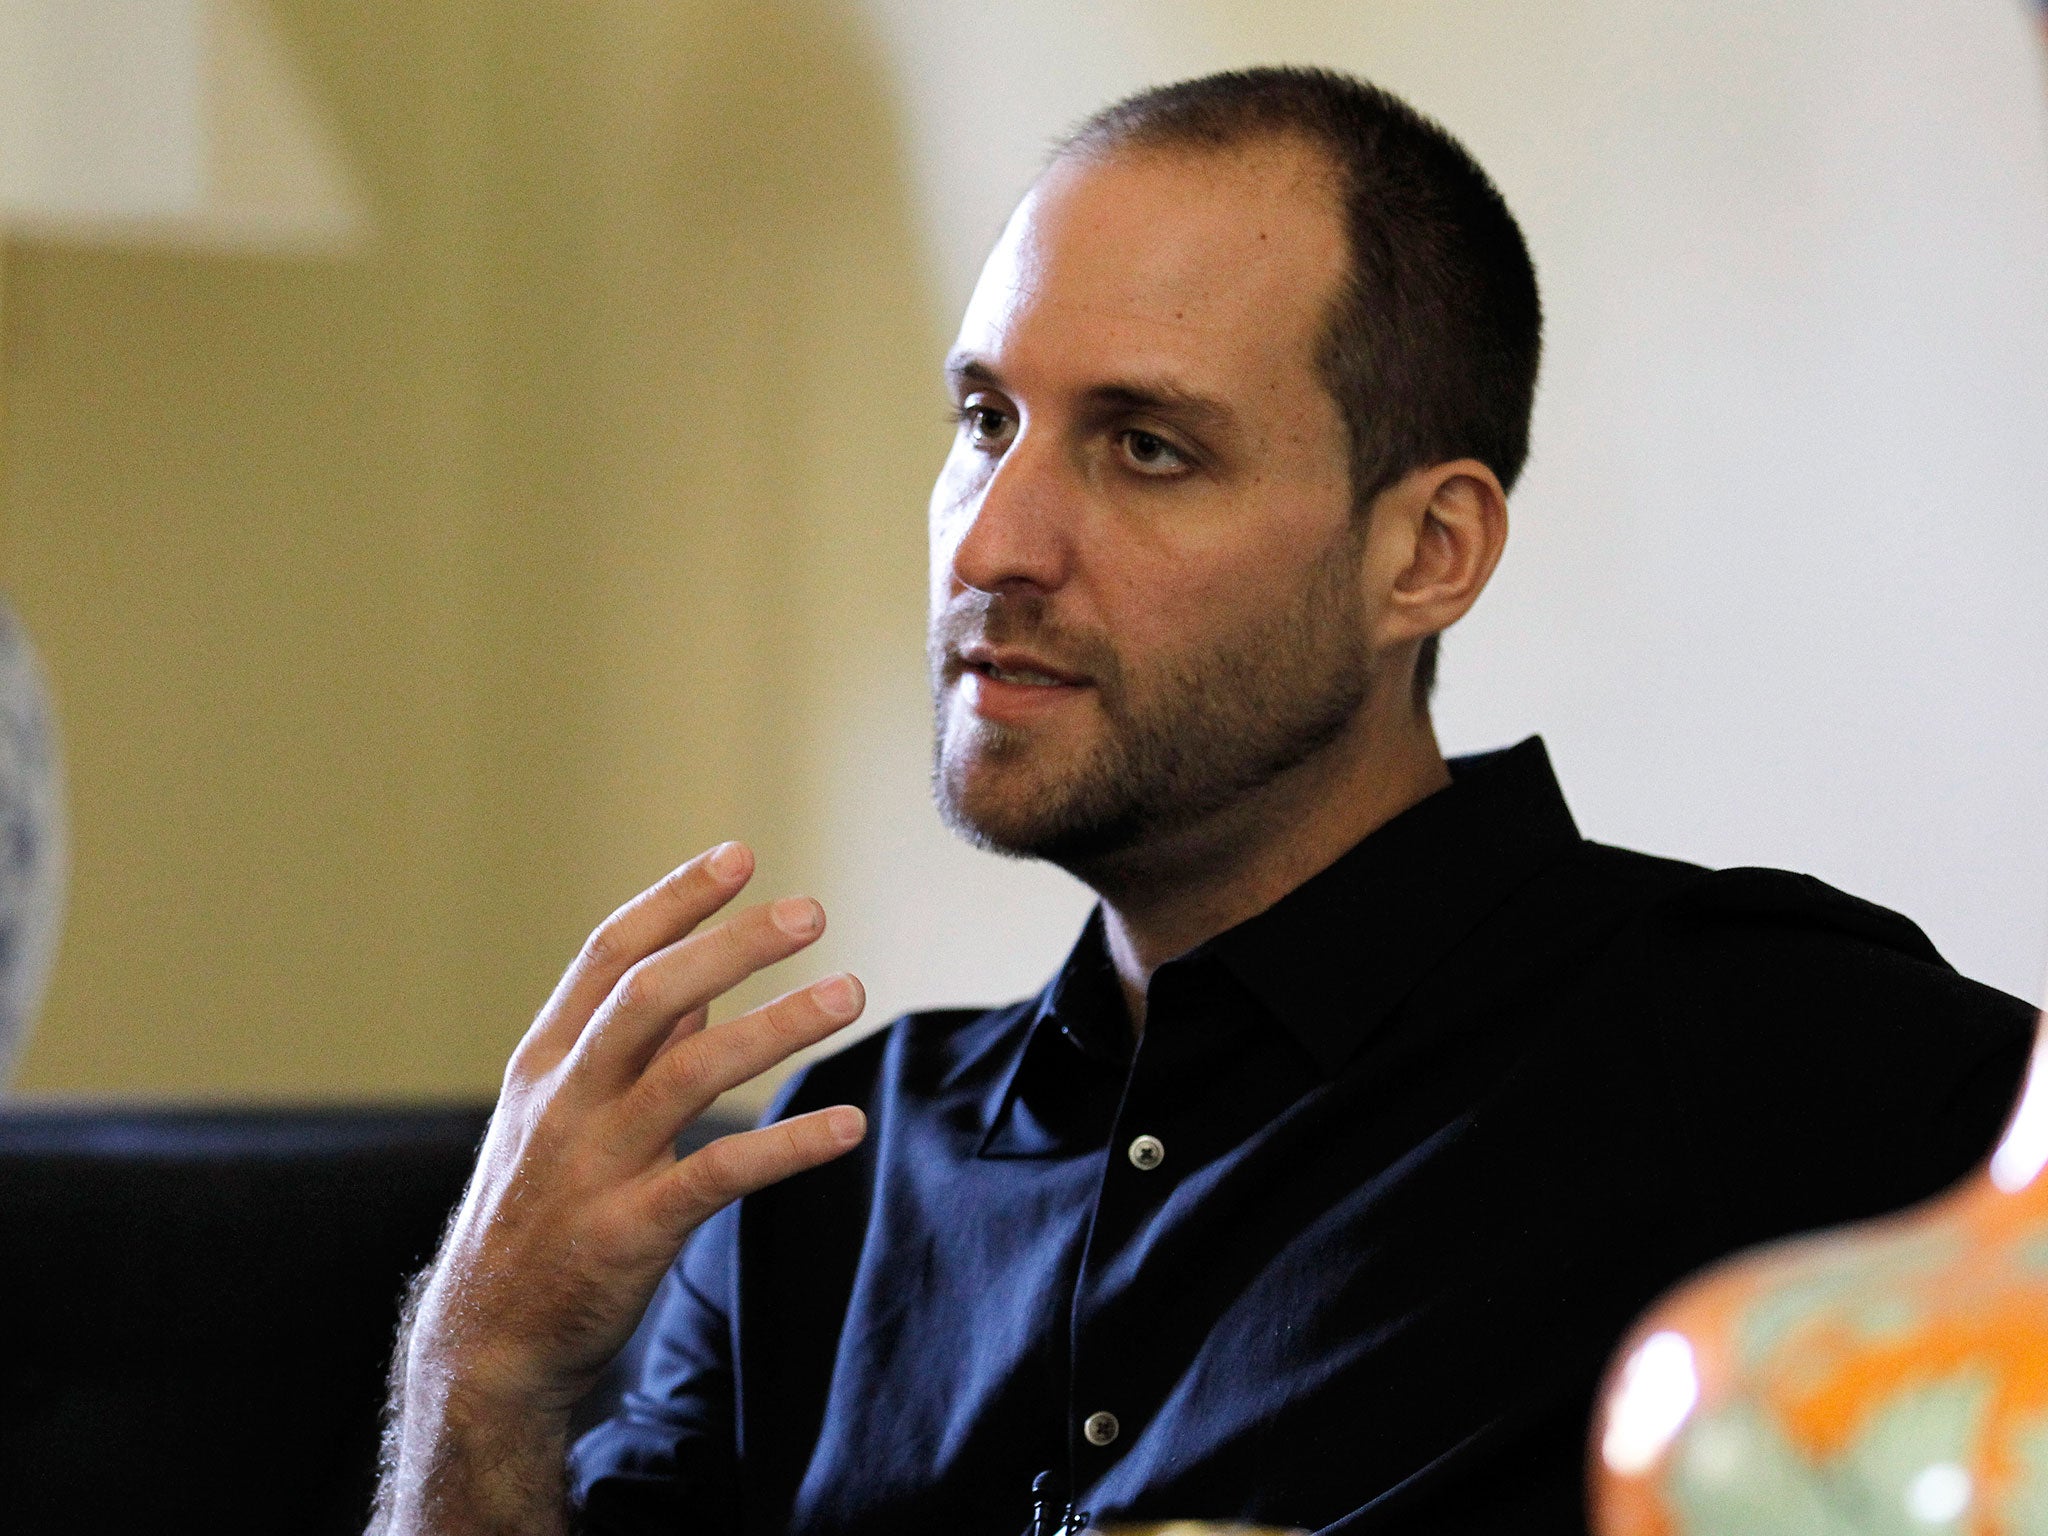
[1892,1375]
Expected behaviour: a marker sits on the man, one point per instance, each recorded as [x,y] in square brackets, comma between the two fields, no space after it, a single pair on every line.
[1372,1104]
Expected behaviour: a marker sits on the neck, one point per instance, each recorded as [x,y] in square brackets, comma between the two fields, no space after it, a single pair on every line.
[1163,899]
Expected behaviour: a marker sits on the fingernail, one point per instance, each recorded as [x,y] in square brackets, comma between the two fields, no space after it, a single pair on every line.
[798,916]
[846,1124]
[839,996]
[728,861]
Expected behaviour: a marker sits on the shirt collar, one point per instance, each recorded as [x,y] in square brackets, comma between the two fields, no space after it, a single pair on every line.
[1075,1049]
[1333,958]
[1337,955]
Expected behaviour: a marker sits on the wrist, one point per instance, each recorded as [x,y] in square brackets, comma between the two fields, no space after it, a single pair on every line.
[475,1463]
[454,1362]
[483,1394]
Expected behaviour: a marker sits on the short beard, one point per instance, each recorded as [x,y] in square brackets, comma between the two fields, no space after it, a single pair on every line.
[1179,746]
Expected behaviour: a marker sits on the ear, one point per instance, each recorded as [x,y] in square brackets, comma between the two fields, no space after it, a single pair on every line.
[1432,541]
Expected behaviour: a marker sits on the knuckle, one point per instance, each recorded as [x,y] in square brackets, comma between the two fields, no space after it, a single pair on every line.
[703,1181]
[677,1083]
[725,1166]
[601,951]
[679,1202]
[687,1073]
[524,1064]
[693,1066]
[636,992]
[788,1021]
[740,942]
[793,1139]
[530,1085]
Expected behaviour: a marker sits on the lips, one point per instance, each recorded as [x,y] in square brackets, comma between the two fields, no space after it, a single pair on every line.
[1008,685]
[1019,668]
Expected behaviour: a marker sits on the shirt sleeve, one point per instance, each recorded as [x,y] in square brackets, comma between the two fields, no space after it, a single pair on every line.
[667,1461]
[1825,1063]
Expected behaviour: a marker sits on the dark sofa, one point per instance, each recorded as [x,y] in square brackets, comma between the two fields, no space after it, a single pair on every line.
[200,1306]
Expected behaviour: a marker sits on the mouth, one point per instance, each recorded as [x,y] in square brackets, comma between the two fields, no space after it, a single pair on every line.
[1008,686]
[1023,679]
[1019,669]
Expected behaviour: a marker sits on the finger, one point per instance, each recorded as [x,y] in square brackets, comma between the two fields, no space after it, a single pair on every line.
[690,1190]
[681,1030]
[660,915]
[644,1007]
[683,1082]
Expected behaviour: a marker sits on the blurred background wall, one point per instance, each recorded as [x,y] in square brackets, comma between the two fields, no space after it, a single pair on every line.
[411,603]
[408,607]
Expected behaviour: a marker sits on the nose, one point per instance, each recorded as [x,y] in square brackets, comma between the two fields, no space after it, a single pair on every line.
[1014,531]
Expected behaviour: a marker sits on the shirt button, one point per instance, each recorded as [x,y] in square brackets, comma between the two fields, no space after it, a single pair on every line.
[1147,1153]
[1101,1428]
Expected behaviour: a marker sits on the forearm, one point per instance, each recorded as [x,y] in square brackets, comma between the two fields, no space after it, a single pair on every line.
[458,1466]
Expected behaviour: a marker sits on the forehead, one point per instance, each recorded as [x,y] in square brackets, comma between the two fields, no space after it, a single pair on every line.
[1206,264]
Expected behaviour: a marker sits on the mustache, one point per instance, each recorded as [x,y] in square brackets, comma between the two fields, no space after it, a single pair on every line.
[1022,619]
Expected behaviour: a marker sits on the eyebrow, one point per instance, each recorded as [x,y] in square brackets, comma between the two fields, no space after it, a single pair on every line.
[965,368]
[1160,397]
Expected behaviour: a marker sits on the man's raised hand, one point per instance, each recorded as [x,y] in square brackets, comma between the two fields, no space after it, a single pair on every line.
[579,1204]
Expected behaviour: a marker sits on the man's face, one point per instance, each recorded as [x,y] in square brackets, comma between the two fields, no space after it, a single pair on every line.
[1146,586]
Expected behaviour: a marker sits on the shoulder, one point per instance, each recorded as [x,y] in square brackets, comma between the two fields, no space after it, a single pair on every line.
[1727,904]
[1806,958]
[1670,918]
[1804,1030]
[1677,894]
[1609,888]
[1764,968]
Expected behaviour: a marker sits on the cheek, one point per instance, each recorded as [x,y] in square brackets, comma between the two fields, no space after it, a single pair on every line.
[1174,611]
[1162,609]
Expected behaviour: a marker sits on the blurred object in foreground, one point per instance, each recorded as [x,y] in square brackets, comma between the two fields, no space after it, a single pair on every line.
[32,844]
[1891,1377]
[176,122]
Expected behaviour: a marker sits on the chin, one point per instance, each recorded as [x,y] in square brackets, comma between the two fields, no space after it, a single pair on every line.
[1007,809]
[994,810]
[1011,791]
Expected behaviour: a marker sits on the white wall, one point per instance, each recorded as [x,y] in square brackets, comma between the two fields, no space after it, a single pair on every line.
[1778,586]
[101,107]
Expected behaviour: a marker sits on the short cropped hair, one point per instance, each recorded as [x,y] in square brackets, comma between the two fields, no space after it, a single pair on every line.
[1431,348]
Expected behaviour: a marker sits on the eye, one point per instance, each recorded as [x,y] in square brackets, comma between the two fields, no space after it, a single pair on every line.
[987,427]
[1150,454]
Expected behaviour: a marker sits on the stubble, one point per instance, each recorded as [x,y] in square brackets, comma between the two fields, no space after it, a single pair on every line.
[1178,744]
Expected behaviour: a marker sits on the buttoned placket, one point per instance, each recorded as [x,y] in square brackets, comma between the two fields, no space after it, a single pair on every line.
[1187,1101]
[1102,1416]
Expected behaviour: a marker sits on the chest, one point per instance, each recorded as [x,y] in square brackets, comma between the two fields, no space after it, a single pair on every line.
[1267,1301]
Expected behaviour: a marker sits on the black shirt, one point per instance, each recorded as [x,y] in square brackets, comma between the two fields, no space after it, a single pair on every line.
[1344,1242]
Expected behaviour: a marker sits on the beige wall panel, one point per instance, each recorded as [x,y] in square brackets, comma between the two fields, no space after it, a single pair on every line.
[408,612]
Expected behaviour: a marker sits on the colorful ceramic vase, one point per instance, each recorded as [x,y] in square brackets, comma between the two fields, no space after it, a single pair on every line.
[1889,1379]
